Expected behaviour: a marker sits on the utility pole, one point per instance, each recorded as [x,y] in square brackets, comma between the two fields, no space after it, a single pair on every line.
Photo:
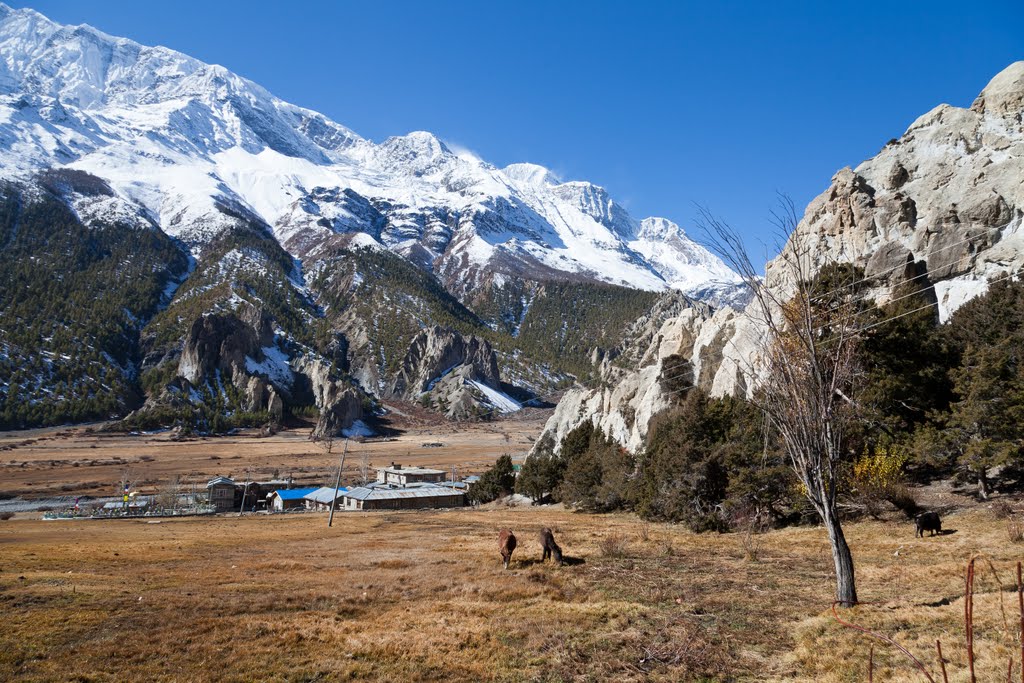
[337,484]
[245,490]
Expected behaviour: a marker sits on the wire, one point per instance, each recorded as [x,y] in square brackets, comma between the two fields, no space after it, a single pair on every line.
[730,341]
[904,265]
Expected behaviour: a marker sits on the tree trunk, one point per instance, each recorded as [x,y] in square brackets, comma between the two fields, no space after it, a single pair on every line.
[846,588]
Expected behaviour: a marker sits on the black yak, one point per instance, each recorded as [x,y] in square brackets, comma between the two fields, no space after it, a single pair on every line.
[928,521]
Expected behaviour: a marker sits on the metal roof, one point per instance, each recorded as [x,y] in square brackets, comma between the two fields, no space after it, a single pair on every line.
[324,494]
[118,505]
[399,469]
[220,480]
[365,493]
[293,494]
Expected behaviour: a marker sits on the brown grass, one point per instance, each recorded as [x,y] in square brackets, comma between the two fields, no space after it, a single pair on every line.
[71,462]
[422,596]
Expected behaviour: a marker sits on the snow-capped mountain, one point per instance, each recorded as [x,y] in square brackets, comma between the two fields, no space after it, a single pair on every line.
[183,240]
[177,138]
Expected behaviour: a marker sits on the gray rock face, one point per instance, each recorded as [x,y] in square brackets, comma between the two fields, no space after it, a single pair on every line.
[448,371]
[340,403]
[434,353]
[217,342]
[241,348]
[948,194]
[944,203]
[223,347]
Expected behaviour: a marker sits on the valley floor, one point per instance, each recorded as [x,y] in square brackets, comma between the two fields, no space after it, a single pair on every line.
[45,463]
[422,596]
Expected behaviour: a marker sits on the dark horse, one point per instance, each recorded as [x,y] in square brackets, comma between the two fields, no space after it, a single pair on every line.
[506,544]
[551,549]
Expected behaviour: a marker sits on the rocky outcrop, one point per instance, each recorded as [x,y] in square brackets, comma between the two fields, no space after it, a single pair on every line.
[450,372]
[340,402]
[434,353]
[947,194]
[238,348]
[942,204]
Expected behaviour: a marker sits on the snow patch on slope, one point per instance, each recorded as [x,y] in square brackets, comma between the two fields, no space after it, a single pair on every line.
[500,400]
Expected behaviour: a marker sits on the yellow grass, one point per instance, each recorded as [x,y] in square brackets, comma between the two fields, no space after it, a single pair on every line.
[421,596]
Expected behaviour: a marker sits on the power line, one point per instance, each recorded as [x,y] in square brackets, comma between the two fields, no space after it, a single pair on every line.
[904,265]
[662,379]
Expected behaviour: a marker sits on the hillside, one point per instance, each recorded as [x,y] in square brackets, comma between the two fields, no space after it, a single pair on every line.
[939,209]
[296,261]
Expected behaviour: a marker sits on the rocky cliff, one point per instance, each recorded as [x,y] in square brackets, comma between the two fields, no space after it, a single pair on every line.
[942,204]
[459,375]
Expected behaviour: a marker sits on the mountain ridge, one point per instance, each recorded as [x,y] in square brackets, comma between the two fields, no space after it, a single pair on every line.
[309,259]
[96,94]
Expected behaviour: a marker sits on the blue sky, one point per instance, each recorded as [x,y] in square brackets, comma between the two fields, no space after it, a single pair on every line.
[666,104]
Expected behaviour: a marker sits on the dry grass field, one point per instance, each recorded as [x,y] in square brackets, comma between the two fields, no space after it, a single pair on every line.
[81,461]
[421,596]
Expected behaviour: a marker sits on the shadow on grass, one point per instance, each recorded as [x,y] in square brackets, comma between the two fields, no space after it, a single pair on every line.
[944,532]
[566,561]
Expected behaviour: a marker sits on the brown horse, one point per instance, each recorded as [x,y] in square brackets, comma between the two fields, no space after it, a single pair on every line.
[551,549]
[506,544]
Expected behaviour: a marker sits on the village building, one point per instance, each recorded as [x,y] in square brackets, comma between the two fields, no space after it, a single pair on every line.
[226,494]
[321,498]
[222,494]
[417,496]
[288,499]
[403,476]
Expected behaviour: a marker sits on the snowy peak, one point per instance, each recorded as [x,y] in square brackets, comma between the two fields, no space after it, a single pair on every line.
[595,202]
[531,174]
[417,153]
[659,228]
[181,140]
[682,262]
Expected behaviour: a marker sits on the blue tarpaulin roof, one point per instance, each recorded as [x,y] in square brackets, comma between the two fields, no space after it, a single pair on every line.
[293,494]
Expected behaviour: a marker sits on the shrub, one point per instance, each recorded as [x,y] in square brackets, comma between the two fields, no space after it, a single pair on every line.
[614,545]
[499,480]
[706,459]
[1002,510]
[6,514]
[542,473]
[878,477]
[1015,530]
[597,480]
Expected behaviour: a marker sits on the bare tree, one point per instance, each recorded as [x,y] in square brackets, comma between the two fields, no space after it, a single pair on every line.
[324,440]
[168,495]
[805,369]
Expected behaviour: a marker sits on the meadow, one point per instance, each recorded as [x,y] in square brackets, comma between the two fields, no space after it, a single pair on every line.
[422,596]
